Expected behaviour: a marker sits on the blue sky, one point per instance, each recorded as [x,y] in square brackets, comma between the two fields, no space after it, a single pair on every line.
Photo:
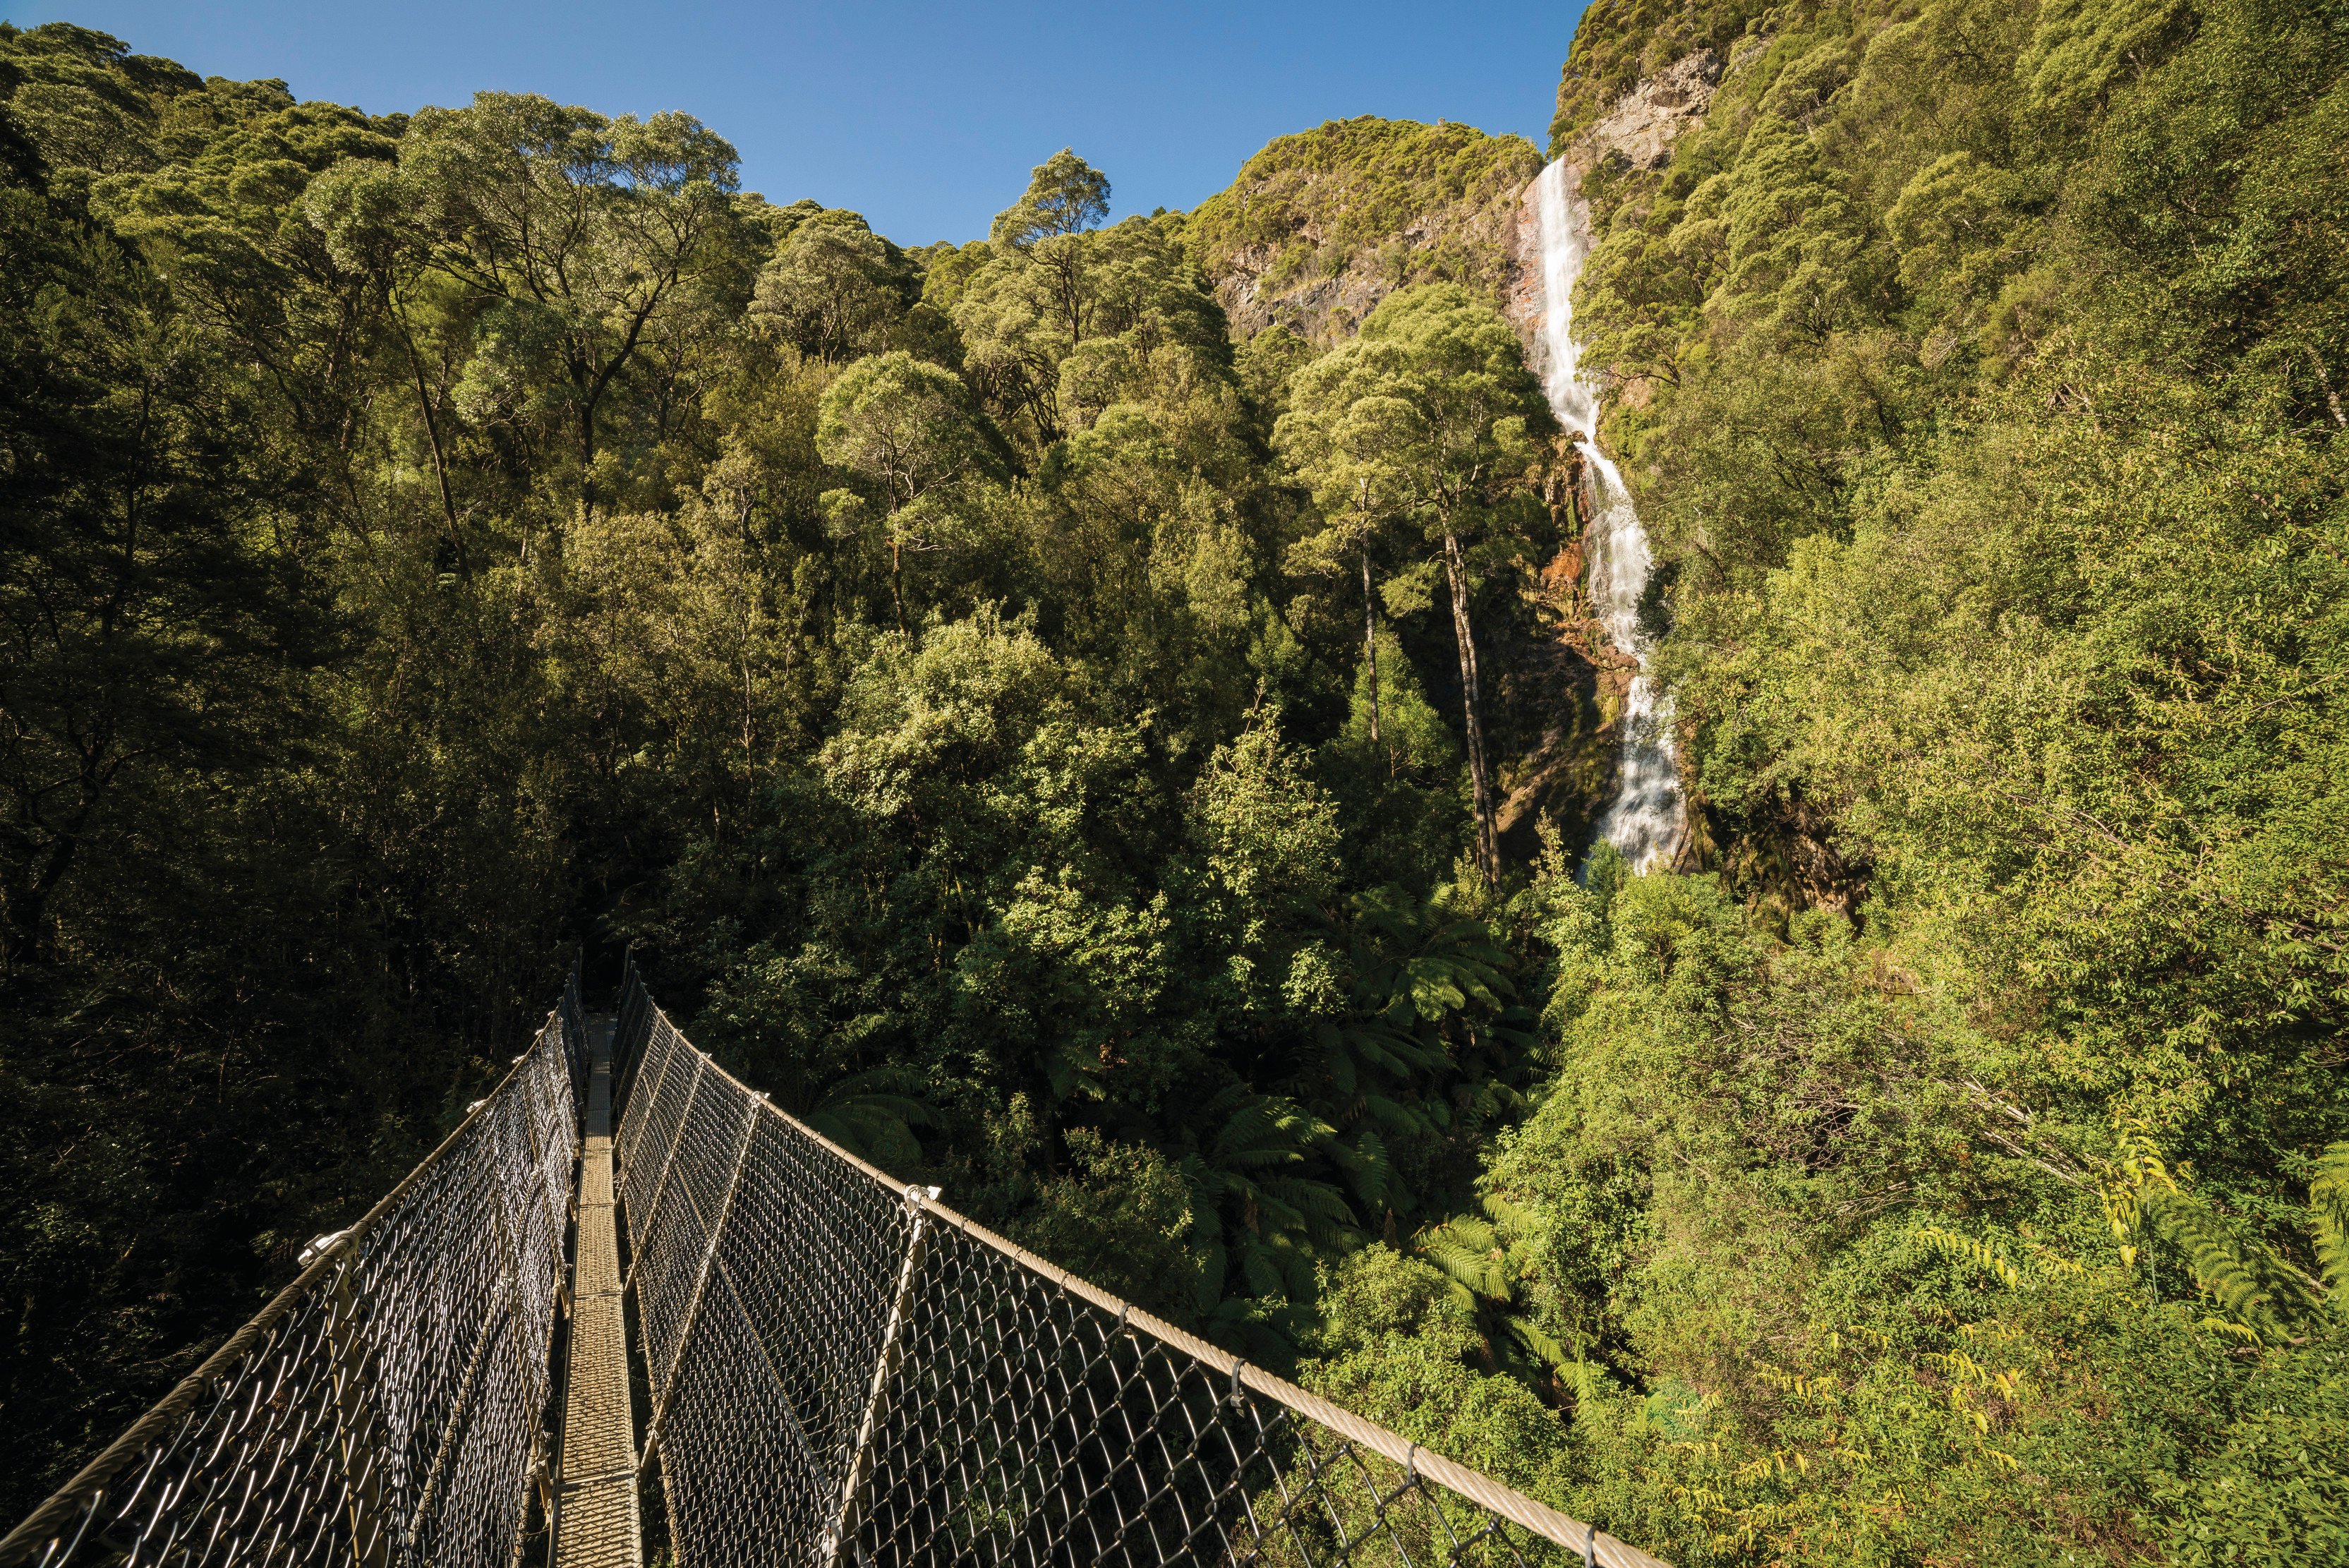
[924,117]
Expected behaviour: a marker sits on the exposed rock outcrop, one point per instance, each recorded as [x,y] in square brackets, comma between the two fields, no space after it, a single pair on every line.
[1639,130]
[1323,309]
[1647,121]
[1320,226]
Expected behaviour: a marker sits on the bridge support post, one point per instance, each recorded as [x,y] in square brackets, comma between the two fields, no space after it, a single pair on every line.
[843,1529]
[667,1389]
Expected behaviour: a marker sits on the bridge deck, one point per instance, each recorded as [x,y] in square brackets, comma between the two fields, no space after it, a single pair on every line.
[595,1523]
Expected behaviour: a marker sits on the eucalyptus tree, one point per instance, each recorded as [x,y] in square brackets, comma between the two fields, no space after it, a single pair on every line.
[1427,418]
[835,290]
[1066,199]
[1035,301]
[363,213]
[580,232]
[912,431]
[1346,449]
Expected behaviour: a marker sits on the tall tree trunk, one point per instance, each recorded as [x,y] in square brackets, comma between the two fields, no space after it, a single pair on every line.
[896,577]
[1371,650]
[586,462]
[440,459]
[1489,856]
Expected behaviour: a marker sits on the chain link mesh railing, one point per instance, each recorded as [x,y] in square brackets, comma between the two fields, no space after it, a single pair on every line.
[388,1407]
[844,1370]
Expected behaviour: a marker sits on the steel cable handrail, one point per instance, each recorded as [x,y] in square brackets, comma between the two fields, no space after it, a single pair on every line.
[841,1370]
[846,1370]
[386,1407]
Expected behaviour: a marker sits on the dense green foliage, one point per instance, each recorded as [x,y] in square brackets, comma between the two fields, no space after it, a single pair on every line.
[1938,1170]
[1091,758]
[435,543]
[1322,223]
[1622,41]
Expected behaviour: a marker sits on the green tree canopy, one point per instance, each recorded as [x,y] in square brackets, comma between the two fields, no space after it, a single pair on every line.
[1428,419]
[835,290]
[1065,195]
[913,431]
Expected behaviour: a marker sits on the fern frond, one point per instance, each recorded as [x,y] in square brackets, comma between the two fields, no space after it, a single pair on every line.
[1367,1166]
[1472,1266]
[1200,1181]
[2328,1197]
[2249,1284]
[1471,1231]
[2135,1172]
[1966,1249]
[1260,1267]
[1315,1200]
[1588,1378]
[1213,1262]
[1536,1344]
[1514,1221]
[1396,1117]
[2242,1331]
[2050,1261]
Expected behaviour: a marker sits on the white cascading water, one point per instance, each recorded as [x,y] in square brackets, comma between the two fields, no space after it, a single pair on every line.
[1646,817]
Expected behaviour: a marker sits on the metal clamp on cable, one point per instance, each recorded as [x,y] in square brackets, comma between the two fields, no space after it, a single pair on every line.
[319,1247]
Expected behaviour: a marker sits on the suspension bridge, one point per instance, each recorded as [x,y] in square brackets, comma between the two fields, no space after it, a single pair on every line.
[705,1335]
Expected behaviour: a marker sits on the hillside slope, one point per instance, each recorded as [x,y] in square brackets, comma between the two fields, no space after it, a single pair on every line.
[1321,225]
[1031,727]
[1979,372]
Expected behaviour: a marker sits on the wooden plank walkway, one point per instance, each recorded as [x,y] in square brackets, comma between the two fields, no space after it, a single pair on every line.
[596,1522]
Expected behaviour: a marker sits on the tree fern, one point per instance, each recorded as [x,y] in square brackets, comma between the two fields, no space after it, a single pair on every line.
[1482,1259]
[1369,1170]
[1469,1252]
[2328,1197]
[1515,1220]
[1257,1213]
[873,1114]
[2262,1297]
[1535,1343]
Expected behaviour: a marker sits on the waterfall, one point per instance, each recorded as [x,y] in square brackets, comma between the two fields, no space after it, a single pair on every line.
[1646,817]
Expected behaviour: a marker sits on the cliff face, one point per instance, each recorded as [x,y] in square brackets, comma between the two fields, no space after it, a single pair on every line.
[1524,303]
[1644,122]
[1635,131]
[1320,226]
[1626,58]
[1582,677]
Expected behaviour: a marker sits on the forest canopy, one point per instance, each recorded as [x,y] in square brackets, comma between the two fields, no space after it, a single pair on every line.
[1076,734]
